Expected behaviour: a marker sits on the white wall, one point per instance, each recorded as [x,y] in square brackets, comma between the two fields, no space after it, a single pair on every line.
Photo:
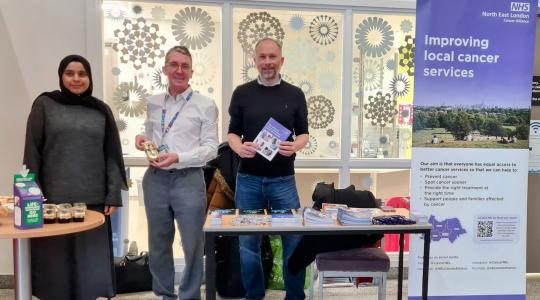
[35,35]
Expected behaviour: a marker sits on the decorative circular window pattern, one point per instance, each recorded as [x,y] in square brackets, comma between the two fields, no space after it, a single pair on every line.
[204,69]
[399,86]
[391,65]
[116,14]
[193,27]
[374,36]
[257,26]
[159,80]
[381,109]
[306,87]
[320,112]
[296,23]
[332,144]
[130,99]
[330,132]
[310,147]
[139,43]
[372,75]
[323,30]
[249,72]
[406,26]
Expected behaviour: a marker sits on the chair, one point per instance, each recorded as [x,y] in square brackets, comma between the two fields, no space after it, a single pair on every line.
[358,262]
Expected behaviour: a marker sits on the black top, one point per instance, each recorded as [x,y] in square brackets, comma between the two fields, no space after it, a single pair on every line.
[252,104]
[65,149]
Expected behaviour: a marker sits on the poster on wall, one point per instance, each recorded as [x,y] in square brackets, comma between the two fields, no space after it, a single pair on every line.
[470,146]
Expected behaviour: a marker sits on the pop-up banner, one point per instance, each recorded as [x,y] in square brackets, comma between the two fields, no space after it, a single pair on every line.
[469,168]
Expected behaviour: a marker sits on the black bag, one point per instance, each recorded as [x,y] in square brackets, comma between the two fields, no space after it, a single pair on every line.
[230,284]
[132,273]
[325,192]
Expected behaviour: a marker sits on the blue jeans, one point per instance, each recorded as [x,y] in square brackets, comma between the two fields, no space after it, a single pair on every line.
[253,192]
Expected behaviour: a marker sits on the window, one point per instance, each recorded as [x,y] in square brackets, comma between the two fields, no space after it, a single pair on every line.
[312,47]
[383,80]
[136,36]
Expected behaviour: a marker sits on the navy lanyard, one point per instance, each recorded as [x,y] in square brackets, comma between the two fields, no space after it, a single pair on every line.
[164,130]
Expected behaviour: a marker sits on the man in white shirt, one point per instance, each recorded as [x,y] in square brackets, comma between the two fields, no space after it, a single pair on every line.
[183,124]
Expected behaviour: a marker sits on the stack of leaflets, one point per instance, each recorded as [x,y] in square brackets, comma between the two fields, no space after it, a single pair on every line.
[286,217]
[332,208]
[251,217]
[313,217]
[354,216]
[269,138]
[215,215]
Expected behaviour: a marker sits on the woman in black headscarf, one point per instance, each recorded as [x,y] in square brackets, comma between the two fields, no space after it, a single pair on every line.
[73,148]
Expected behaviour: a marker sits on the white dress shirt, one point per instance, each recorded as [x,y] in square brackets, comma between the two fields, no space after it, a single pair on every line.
[193,136]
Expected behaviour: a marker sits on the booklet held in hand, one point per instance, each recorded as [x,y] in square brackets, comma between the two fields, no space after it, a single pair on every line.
[269,138]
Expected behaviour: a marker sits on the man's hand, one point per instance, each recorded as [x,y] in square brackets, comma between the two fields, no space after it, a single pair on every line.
[139,142]
[109,210]
[165,160]
[287,148]
[247,150]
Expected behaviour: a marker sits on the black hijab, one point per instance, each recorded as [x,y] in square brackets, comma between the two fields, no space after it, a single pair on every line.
[111,147]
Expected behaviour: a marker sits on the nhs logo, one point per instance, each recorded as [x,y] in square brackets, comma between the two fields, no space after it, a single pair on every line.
[520,6]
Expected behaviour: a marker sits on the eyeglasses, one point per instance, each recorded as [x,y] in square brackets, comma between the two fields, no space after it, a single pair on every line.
[174,67]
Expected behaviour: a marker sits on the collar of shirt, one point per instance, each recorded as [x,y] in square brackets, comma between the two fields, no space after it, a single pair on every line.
[180,96]
[261,83]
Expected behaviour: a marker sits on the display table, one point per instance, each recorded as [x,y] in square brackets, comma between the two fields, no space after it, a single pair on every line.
[212,231]
[21,245]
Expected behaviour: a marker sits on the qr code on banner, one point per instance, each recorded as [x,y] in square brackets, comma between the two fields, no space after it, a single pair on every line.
[484,229]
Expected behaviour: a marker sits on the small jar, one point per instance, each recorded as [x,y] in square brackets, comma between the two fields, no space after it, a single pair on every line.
[78,214]
[64,215]
[80,205]
[49,213]
[64,206]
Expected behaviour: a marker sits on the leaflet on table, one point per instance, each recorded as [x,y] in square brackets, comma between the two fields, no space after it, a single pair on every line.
[216,214]
[285,217]
[313,217]
[356,216]
[269,138]
[332,208]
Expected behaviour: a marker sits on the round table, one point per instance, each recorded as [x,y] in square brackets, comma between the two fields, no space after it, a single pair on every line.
[21,245]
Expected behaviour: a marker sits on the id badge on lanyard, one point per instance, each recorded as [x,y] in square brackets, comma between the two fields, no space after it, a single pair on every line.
[164,148]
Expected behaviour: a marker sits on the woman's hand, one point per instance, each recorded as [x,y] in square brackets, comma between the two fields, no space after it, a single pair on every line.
[109,210]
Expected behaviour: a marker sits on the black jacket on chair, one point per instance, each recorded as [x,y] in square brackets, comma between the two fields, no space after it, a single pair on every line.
[311,245]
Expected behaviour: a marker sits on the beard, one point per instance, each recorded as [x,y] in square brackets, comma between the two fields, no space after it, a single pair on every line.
[269,74]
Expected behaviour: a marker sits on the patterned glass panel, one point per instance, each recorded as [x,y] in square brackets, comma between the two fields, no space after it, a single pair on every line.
[136,37]
[312,47]
[383,80]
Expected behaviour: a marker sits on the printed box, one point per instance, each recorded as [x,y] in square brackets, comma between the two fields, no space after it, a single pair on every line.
[28,206]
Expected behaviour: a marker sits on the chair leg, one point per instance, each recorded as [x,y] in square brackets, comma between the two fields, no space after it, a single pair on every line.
[382,287]
[312,281]
[321,281]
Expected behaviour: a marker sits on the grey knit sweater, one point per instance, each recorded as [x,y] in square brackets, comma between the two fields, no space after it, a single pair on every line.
[64,148]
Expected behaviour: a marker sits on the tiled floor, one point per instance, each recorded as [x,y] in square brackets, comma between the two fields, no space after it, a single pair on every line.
[337,293]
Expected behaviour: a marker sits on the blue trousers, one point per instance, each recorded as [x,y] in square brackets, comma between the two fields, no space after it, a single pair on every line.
[253,192]
[169,196]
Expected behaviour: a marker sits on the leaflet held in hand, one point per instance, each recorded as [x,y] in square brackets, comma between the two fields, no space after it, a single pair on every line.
[269,138]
